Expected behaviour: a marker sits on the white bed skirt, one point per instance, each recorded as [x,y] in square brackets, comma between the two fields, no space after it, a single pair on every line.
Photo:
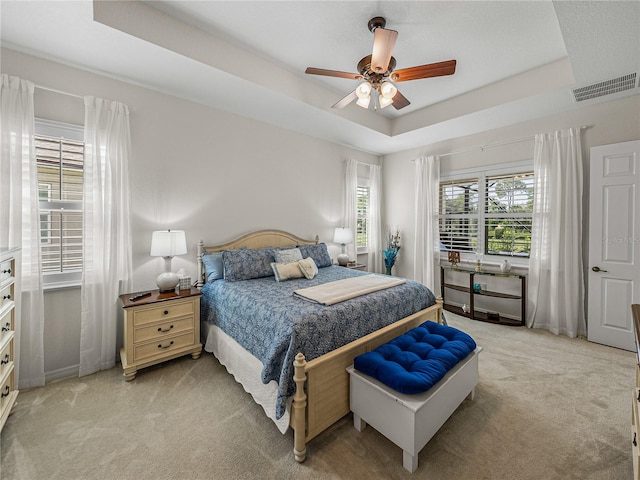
[246,369]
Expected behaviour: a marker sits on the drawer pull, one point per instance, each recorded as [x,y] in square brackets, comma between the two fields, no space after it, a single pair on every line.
[164,347]
[638,395]
[6,391]
[8,270]
[6,360]
[6,328]
[6,297]
[635,441]
[166,312]
[165,330]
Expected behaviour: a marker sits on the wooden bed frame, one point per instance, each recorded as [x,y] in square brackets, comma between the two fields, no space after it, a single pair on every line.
[322,384]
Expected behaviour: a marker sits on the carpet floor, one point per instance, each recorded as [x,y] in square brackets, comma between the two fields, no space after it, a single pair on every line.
[546,407]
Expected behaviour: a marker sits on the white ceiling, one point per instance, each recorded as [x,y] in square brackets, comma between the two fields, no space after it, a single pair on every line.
[517,60]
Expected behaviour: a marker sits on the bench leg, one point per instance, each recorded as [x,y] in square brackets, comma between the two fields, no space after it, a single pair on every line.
[472,394]
[358,423]
[410,462]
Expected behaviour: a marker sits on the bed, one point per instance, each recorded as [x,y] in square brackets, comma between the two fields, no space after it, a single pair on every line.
[292,357]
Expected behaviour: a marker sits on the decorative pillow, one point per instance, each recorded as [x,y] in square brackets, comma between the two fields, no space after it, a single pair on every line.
[285,271]
[245,263]
[318,252]
[308,267]
[288,255]
[213,266]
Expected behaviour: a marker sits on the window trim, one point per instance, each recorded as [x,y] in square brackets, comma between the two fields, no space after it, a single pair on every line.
[487,171]
[67,131]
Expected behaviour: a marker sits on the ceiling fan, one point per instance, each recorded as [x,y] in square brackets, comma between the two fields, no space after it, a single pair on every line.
[377,71]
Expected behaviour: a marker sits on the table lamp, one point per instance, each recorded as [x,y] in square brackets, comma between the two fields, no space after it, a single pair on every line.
[167,244]
[343,236]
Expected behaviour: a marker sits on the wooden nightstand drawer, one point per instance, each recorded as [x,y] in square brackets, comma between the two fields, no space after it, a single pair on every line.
[160,330]
[166,310]
[162,347]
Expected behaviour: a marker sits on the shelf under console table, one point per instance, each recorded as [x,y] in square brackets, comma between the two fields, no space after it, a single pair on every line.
[478,315]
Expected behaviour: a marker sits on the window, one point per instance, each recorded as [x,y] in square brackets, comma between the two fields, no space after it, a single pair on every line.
[60,164]
[488,213]
[362,220]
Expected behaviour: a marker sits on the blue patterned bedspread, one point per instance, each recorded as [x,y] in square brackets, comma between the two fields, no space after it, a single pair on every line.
[271,323]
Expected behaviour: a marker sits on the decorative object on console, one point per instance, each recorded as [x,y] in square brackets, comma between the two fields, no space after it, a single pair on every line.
[505,266]
[454,258]
[393,247]
[478,262]
[168,244]
[343,236]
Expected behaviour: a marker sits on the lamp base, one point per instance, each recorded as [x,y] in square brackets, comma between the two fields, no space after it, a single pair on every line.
[343,259]
[167,281]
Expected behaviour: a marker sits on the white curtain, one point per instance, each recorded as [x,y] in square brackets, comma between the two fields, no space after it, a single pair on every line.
[426,253]
[20,223]
[375,257]
[107,270]
[556,287]
[351,203]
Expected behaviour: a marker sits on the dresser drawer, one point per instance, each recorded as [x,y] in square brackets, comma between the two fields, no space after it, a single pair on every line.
[5,391]
[6,296]
[160,312]
[160,330]
[163,347]
[6,358]
[6,325]
[635,440]
[6,270]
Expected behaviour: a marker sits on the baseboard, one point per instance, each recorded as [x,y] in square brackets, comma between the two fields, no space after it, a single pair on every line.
[62,373]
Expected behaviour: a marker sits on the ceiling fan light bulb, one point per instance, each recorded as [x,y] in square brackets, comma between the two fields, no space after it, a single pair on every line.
[388,90]
[363,90]
[363,102]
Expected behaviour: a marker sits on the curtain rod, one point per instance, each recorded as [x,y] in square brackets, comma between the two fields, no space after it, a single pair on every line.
[497,144]
[49,89]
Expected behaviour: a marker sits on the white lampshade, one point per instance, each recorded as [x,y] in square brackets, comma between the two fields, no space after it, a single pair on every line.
[167,244]
[343,235]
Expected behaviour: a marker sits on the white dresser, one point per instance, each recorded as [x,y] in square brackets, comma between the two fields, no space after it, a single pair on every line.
[9,296]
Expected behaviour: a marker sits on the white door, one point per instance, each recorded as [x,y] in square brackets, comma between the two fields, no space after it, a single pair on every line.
[614,243]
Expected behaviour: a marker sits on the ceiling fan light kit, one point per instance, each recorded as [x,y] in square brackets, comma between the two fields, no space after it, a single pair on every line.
[378,68]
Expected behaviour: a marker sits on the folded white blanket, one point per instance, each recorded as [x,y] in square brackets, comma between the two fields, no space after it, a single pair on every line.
[341,290]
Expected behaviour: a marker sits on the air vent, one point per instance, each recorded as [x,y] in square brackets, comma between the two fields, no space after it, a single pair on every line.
[615,85]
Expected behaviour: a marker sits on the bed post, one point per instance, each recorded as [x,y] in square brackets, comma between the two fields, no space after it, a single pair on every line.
[298,410]
[200,269]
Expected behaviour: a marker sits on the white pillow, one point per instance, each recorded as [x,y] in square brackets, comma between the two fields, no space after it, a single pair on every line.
[288,255]
[285,271]
[308,267]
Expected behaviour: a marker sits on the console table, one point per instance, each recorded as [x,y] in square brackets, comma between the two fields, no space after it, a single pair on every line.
[482,316]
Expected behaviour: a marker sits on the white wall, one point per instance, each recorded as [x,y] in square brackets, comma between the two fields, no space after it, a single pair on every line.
[211,173]
[610,122]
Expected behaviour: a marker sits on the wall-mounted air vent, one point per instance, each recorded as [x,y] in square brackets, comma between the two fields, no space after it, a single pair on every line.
[615,85]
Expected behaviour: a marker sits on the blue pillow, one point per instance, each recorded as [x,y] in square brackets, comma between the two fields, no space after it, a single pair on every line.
[245,263]
[318,252]
[213,266]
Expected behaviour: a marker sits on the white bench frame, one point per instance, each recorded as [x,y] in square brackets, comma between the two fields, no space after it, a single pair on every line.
[410,421]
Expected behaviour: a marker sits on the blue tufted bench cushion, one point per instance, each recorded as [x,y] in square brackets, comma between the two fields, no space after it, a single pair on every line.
[414,362]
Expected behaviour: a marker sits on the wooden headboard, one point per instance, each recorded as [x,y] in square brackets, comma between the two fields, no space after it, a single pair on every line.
[253,240]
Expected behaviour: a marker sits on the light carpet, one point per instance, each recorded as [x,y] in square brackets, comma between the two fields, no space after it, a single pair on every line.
[546,407]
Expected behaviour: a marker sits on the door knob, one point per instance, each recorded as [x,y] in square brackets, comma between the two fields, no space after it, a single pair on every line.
[597,269]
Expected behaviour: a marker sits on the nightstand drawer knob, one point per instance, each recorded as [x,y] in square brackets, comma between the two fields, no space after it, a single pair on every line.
[166,312]
[164,347]
[6,391]
[5,360]
[165,330]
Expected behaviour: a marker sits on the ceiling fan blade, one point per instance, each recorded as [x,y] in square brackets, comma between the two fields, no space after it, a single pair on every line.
[400,101]
[332,73]
[424,71]
[345,101]
[383,42]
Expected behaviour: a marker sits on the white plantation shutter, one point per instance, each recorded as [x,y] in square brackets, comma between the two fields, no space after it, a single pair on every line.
[362,219]
[459,214]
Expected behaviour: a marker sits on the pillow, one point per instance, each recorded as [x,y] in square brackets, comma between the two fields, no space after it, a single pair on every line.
[308,267]
[318,252]
[245,263]
[288,255]
[213,266]
[285,271]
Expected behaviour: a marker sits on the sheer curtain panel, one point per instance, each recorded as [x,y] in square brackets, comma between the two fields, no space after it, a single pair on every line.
[107,269]
[20,223]
[351,203]
[556,286]
[375,258]
[427,243]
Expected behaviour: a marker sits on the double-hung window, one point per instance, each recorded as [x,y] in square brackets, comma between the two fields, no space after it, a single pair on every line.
[60,165]
[487,212]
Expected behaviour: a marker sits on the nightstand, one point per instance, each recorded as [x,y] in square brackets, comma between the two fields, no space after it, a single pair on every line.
[356,266]
[159,327]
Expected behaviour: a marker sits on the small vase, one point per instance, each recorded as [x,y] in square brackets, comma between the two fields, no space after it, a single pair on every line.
[505,266]
[388,267]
